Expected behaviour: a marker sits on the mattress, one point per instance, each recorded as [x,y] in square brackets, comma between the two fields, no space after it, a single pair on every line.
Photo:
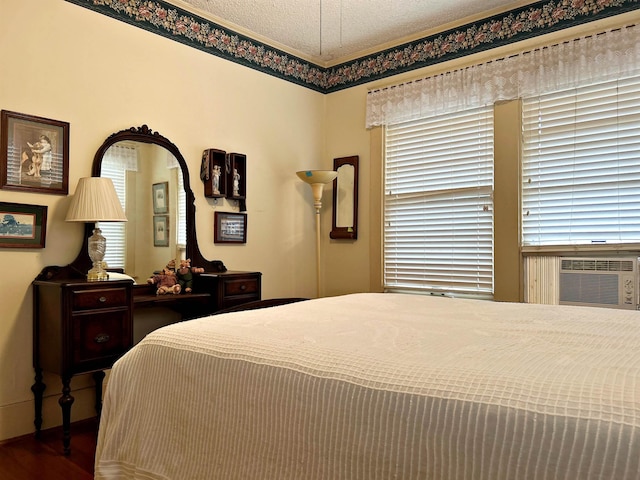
[379,386]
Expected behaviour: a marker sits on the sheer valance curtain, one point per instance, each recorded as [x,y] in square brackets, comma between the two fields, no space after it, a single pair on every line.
[586,60]
[121,157]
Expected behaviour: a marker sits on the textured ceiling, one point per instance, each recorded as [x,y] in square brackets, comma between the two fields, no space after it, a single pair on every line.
[331,31]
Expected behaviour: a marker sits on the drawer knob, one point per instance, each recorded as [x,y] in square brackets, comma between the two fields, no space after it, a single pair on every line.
[102,299]
[101,338]
[243,287]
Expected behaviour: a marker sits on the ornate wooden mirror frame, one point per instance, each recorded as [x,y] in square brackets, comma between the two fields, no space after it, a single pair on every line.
[82,263]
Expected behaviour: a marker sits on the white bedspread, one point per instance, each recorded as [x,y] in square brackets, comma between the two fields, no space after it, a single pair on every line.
[380,386]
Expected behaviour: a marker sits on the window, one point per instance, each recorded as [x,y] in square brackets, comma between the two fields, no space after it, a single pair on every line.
[117,160]
[581,171]
[181,227]
[438,219]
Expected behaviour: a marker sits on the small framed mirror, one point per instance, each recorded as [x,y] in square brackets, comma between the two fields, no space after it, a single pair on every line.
[345,199]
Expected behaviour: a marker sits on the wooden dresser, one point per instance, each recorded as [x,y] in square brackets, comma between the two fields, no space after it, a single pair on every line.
[84,327]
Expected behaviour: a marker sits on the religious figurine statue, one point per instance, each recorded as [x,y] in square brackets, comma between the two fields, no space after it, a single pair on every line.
[216,179]
[236,183]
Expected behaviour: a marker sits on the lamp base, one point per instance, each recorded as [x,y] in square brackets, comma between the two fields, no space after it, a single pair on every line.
[97,248]
[97,273]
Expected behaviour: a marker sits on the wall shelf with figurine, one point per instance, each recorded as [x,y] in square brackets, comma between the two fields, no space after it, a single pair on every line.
[224,175]
[236,176]
[212,173]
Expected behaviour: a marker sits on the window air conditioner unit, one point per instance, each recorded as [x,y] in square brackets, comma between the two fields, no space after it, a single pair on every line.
[599,282]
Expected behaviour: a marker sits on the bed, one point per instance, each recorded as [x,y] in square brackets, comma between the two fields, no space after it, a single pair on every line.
[379,386]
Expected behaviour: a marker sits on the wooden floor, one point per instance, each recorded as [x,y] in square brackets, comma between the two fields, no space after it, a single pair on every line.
[26,458]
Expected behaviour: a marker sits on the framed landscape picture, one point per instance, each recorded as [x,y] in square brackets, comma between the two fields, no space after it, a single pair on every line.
[22,226]
[34,153]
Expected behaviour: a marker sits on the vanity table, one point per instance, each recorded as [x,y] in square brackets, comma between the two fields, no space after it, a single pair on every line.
[212,291]
[84,327]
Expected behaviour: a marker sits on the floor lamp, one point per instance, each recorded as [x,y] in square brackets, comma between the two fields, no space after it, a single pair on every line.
[317,179]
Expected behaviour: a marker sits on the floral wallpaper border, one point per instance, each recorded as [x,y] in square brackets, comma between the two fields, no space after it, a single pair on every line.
[529,21]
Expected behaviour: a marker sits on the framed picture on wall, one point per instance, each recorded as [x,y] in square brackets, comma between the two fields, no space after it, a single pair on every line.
[22,226]
[230,227]
[160,230]
[160,198]
[34,153]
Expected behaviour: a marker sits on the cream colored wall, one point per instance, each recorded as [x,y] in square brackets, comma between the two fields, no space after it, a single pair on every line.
[64,62]
[346,263]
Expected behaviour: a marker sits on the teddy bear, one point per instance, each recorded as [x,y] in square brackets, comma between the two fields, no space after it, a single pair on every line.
[166,282]
[171,265]
[185,274]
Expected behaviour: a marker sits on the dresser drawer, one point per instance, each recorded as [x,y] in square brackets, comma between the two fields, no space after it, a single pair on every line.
[102,298]
[100,335]
[240,286]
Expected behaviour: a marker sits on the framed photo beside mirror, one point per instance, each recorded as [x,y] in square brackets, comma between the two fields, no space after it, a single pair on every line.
[230,227]
[160,230]
[34,153]
[160,198]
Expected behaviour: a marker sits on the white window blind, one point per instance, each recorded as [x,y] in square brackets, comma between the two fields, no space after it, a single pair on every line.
[581,166]
[438,230]
[181,227]
[117,160]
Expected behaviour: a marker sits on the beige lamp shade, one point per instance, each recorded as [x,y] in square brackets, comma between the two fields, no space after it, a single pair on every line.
[95,200]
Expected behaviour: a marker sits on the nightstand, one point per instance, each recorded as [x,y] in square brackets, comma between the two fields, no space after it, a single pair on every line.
[78,327]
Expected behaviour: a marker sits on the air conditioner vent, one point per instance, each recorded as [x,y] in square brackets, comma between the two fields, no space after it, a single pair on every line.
[597,265]
[599,282]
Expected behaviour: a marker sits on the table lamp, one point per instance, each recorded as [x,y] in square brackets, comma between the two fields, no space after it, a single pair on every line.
[96,200]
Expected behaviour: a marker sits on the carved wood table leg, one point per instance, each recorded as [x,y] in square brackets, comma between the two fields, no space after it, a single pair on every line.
[38,392]
[98,377]
[65,401]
